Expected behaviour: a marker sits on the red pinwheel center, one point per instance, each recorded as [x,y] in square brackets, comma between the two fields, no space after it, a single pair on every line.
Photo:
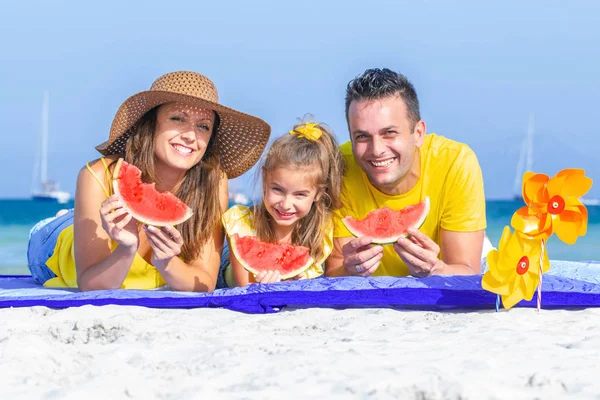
[556,205]
[523,265]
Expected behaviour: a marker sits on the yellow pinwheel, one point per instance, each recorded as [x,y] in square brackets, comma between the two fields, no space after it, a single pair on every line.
[553,205]
[514,269]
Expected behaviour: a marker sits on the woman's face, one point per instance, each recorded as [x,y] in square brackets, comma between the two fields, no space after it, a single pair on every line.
[182,135]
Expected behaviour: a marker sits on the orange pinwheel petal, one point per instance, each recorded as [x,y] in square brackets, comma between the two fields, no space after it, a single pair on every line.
[584,220]
[573,201]
[534,189]
[569,182]
[570,172]
[567,226]
[526,177]
[532,225]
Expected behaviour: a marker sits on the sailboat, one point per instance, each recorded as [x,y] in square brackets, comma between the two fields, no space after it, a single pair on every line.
[49,188]
[525,160]
[526,164]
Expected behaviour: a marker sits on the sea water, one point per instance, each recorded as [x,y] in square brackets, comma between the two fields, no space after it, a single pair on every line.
[18,216]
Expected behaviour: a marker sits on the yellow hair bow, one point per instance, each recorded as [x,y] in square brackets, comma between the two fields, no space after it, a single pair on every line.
[308,131]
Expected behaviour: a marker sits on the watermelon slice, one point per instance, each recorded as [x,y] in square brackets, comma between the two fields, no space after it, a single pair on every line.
[144,202]
[385,225]
[257,256]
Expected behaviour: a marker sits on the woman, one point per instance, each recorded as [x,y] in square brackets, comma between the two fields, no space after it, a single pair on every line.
[186,143]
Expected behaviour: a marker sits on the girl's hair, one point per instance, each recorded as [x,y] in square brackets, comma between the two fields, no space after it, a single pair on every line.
[320,158]
[199,188]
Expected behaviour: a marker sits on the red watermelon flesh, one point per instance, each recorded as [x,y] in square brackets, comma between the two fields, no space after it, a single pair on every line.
[144,202]
[257,256]
[385,225]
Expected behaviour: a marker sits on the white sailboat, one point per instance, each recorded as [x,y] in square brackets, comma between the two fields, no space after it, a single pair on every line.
[526,164]
[46,189]
[525,160]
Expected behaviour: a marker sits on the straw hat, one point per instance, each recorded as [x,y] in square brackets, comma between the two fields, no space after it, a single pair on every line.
[241,138]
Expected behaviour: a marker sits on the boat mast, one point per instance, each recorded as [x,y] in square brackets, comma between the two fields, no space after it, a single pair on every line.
[44,160]
[525,158]
[530,144]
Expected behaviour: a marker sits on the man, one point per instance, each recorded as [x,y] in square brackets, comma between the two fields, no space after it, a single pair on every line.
[392,162]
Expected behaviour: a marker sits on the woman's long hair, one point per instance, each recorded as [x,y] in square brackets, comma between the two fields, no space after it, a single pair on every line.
[199,188]
[320,158]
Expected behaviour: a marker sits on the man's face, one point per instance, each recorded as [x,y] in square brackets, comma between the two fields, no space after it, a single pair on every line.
[384,141]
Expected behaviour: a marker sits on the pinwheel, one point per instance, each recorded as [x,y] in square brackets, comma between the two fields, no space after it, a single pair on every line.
[514,269]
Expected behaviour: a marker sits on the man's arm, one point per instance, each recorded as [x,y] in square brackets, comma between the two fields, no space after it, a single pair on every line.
[421,254]
[461,227]
[464,220]
[465,255]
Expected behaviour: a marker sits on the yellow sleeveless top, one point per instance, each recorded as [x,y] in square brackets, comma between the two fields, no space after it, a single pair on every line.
[141,275]
[240,219]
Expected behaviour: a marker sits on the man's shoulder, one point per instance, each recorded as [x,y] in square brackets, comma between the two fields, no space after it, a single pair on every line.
[441,148]
[346,149]
[439,143]
[352,166]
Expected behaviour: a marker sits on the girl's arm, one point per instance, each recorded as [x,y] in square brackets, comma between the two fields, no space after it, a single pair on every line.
[201,274]
[241,275]
[96,266]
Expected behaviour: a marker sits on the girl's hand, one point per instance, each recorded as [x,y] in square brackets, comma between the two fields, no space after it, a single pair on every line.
[301,275]
[118,223]
[268,277]
[166,243]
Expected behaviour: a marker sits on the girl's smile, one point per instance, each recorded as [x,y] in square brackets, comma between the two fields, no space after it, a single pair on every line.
[289,195]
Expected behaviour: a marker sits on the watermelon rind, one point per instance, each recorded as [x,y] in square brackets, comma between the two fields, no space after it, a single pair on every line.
[392,238]
[141,218]
[249,268]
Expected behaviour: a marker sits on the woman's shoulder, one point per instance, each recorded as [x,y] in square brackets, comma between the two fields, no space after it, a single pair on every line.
[96,176]
[100,165]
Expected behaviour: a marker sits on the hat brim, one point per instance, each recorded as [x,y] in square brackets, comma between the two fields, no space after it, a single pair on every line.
[241,138]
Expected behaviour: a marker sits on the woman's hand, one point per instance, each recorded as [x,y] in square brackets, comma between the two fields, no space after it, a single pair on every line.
[118,223]
[166,243]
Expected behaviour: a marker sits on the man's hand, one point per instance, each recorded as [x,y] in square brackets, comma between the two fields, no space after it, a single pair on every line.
[420,254]
[361,257]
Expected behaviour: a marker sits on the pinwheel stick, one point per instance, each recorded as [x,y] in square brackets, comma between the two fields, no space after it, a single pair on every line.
[539,291]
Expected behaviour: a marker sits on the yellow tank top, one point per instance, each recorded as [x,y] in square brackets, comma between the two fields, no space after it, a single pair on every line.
[141,275]
[240,219]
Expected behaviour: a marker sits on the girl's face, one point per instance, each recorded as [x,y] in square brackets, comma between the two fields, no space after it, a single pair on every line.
[182,135]
[289,194]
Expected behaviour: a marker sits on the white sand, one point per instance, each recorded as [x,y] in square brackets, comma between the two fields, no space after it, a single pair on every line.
[117,352]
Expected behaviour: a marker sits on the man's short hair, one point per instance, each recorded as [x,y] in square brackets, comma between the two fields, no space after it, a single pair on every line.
[376,83]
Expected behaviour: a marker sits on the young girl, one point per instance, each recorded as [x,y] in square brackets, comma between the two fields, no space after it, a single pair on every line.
[185,142]
[301,174]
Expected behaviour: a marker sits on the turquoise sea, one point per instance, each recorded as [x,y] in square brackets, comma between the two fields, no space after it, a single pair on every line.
[18,216]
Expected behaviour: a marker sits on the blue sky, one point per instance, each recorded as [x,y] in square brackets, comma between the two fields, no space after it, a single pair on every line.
[479,68]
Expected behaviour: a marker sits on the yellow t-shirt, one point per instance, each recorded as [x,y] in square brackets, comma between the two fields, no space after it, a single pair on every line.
[450,176]
[240,219]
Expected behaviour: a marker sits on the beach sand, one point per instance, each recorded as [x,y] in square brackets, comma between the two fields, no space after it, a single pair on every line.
[117,352]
